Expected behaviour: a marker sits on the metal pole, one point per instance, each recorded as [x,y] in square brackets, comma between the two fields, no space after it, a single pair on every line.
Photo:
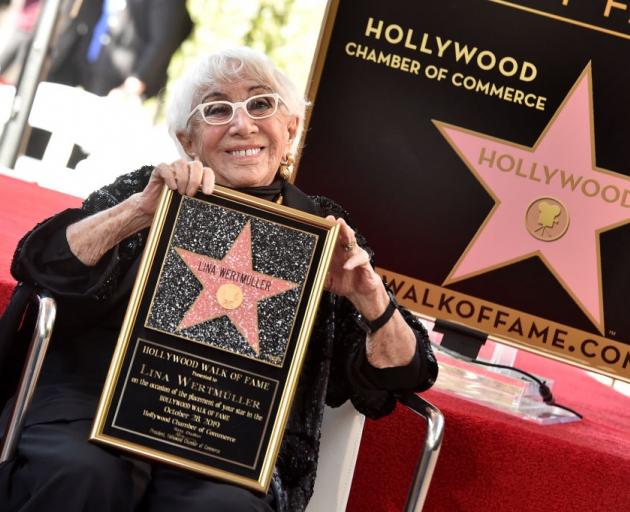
[13,135]
[30,373]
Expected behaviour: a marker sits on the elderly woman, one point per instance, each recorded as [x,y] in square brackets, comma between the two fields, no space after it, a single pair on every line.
[236,119]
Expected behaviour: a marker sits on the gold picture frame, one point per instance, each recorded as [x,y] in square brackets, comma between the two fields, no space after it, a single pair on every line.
[215,334]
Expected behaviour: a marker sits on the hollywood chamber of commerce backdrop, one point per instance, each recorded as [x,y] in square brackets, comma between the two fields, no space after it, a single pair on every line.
[481,146]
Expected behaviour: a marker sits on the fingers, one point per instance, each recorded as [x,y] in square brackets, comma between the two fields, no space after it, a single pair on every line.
[165,172]
[195,175]
[359,259]
[187,177]
[346,239]
[182,175]
[207,181]
[346,236]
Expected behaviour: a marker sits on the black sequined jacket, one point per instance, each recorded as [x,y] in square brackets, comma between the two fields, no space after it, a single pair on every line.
[91,303]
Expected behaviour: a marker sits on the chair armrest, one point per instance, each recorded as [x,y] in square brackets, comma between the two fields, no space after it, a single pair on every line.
[432,443]
[42,332]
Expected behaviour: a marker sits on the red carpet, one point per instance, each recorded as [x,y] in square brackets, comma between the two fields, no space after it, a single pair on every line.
[492,461]
[22,205]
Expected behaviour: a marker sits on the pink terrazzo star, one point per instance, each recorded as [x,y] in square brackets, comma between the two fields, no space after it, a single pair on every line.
[560,165]
[231,287]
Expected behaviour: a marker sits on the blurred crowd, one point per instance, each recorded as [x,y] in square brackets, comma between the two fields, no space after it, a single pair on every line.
[101,45]
[104,46]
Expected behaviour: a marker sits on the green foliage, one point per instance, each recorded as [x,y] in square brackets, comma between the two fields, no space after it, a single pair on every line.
[266,26]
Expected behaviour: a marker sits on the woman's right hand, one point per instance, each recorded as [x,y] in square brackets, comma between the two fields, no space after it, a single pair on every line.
[186,177]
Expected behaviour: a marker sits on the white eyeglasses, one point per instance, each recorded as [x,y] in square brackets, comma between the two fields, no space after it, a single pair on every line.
[222,112]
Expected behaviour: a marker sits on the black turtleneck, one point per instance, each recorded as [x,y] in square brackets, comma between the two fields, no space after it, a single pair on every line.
[269,192]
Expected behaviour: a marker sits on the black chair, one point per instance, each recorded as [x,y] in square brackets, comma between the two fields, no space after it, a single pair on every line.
[32,314]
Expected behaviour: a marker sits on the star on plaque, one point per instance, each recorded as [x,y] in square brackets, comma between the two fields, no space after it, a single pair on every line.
[551,200]
[231,287]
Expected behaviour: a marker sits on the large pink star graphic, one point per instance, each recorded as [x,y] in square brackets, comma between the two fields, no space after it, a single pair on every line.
[559,170]
[231,287]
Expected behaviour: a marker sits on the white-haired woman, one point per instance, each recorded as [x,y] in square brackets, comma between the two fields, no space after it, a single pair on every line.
[237,119]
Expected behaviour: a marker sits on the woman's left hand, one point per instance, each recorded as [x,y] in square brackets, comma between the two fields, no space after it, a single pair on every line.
[350,273]
[352,276]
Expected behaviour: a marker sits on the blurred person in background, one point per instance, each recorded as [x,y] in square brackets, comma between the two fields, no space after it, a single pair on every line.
[15,48]
[120,44]
[115,46]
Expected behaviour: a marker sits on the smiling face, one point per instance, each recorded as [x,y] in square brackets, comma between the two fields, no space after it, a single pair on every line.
[244,152]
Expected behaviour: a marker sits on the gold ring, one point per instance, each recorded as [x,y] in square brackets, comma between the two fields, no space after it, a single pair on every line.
[349,246]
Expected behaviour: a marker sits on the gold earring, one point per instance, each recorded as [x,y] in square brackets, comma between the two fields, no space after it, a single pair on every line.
[286,166]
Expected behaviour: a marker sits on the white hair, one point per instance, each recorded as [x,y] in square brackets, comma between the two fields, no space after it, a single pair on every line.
[228,66]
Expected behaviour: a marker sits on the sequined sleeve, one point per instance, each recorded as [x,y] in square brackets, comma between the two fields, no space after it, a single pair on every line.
[110,195]
[43,257]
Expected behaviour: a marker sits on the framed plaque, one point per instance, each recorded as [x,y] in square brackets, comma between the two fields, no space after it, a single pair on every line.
[210,351]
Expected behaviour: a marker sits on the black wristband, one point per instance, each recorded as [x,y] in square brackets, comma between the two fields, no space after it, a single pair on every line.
[371,326]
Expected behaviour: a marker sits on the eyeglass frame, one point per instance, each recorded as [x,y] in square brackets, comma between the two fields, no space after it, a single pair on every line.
[235,106]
